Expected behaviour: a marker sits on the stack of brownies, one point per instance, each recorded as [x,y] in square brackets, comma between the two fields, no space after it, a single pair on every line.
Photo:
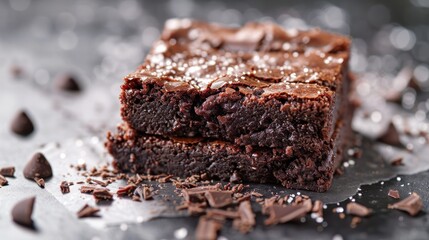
[253,104]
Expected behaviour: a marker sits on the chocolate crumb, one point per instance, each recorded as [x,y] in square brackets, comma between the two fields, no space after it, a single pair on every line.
[65,187]
[16,71]
[282,214]
[144,192]
[40,182]
[393,194]
[412,204]
[218,199]
[87,189]
[355,221]
[247,218]
[397,162]
[3,180]
[222,213]
[318,208]
[22,211]
[87,211]
[22,124]
[207,228]
[67,82]
[38,166]
[126,191]
[391,136]
[196,194]
[7,171]
[102,194]
[358,209]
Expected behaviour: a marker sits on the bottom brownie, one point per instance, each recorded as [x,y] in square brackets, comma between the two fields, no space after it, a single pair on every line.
[293,168]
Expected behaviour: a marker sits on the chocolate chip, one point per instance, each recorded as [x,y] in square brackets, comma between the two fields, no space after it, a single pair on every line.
[282,214]
[67,82]
[65,187]
[7,171]
[391,136]
[3,180]
[38,166]
[102,194]
[207,228]
[412,204]
[87,211]
[358,209]
[22,211]
[22,124]
[218,199]
[40,182]
[393,194]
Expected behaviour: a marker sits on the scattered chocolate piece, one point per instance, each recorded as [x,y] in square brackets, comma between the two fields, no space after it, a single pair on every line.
[391,136]
[358,209]
[67,82]
[247,218]
[102,194]
[393,194]
[7,171]
[87,211]
[22,124]
[412,204]
[126,191]
[16,71]
[318,208]
[143,192]
[256,194]
[87,189]
[207,228]
[65,187]
[282,214]
[355,221]
[397,162]
[40,182]
[38,166]
[22,211]
[218,199]
[222,213]
[101,183]
[196,194]
[307,204]
[3,180]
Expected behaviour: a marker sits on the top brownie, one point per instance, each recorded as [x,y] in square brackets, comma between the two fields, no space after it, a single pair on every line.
[256,86]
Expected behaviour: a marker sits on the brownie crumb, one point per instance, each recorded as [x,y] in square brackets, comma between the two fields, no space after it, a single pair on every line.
[3,180]
[22,124]
[22,211]
[87,211]
[393,194]
[7,171]
[65,187]
[207,228]
[357,209]
[102,194]
[218,199]
[40,182]
[38,166]
[412,204]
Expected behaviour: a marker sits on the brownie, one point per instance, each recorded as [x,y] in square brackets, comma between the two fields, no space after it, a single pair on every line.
[258,85]
[258,103]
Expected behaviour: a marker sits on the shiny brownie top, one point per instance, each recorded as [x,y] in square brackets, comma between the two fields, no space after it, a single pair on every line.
[198,55]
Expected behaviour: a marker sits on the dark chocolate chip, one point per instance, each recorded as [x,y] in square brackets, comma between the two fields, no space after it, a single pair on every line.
[65,187]
[207,228]
[87,211]
[218,199]
[393,194]
[412,204]
[38,166]
[282,214]
[7,171]
[3,180]
[22,124]
[391,136]
[67,82]
[357,209]
[22,211]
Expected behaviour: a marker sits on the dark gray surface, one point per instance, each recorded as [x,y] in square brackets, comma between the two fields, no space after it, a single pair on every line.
[101,41]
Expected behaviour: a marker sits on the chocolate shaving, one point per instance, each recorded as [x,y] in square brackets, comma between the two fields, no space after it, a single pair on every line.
[102,194]
[247,218]
[143,192]
[101,183]
[222,213]
[87,189]
[355,221]
[393,194]
[38,166]
[3,180]
[207,228]
[87,211]
[7,171]
[196,194]
[22,211]
[282,214]
[397,162]
[65,187]
[22,124]
[218,199]
[412,204]
[126,191]
[40,182]
[318,208]
[358,209]
[391,136]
